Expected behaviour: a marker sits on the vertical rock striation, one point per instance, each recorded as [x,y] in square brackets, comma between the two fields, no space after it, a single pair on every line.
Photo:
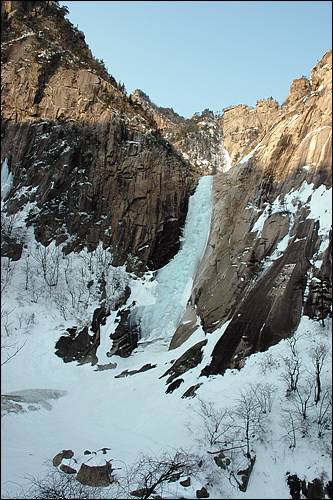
[90,160]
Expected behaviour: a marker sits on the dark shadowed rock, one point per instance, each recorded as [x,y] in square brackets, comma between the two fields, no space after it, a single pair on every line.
[174,385]
[67,469]
[191,391]
[11,248]
[139,493]
[82,347]
[126,335]
[107,366]
[191,358]
[186,482]
[144,368]
[57,459]
[203,493]
[272,308]
[295,485]
[245,474]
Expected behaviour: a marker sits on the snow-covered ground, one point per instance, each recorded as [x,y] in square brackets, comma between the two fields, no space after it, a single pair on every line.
[51,405]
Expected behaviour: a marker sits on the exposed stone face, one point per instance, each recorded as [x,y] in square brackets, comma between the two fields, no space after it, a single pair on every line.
[92,160]
[78,346]
[299,88]
[185,362]
[98,475]
[264,308]
[316,489]
[198,139]
[243,127]
[202,493]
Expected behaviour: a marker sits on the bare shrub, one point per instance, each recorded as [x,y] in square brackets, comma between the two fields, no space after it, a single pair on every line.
[216,424]
[151,475]
[268,363]
[324,412]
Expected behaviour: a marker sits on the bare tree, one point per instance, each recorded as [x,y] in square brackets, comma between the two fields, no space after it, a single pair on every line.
[292,364]
[324,412]
[7,271]
[264,395]
[5,347]
[290,424]
[5,319]
[249,418]
[58,485]
[268,362]
[48,260]
[152,474]
[301,401]
[318,356]
[216,424]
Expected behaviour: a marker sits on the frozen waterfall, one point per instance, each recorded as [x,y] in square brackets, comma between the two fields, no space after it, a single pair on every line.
[6,179]
[173,283]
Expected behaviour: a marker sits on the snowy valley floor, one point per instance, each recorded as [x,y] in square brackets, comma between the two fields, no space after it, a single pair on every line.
[71,406]
[133,414]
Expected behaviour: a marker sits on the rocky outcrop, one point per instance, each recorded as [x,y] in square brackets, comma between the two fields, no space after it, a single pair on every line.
[191,358]
[94,468]
[78,346]
[315,489]
[98,475]
[143,369]
[243,127]
[202,493]
[89,159]
[300,87]
[126,335]
[198,139]
[58,458]
[247,276]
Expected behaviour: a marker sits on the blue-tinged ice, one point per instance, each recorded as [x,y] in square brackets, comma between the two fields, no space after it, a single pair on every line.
[173,283]
[6,179]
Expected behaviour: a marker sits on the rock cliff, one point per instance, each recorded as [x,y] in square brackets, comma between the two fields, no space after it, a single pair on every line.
[198,139]
[267,239]
[93,164]
[89,159]
[243,127]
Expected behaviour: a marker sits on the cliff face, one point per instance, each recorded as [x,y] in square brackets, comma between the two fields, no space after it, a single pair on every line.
[270,232]
[198,139]
[90,160]
[243,127]
[95,165]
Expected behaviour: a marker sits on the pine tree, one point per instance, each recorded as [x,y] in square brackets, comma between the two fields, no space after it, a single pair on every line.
[321,298]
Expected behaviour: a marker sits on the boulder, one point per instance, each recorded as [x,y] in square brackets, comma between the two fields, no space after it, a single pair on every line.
[67,469]
[139,493]
[95,475]
[203,493]
[191,358]
[191,391]
[174,385]
[57,459]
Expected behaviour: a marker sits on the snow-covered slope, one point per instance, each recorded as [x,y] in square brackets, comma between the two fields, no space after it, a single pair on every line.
[49,405]
[213,347]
